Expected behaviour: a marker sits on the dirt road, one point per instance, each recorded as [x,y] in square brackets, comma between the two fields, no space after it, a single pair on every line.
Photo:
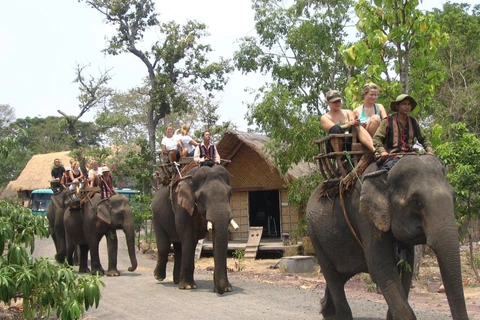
[137,295]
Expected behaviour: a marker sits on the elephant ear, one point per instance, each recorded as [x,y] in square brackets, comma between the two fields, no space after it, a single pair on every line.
[374,201]
[185,196]
[56,201]
[103,211]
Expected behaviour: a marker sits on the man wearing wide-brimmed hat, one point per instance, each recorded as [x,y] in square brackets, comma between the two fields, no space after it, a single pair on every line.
[106,188]
[399,132]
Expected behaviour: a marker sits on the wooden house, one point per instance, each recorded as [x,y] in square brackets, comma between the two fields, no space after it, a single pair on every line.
[259,194]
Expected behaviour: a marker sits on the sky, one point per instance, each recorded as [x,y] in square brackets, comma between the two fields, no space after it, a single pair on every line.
[41,43]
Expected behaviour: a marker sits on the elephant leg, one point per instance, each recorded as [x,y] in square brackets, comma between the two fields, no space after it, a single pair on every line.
[112,245]
[163,247]
[96,266]
[327,308]
[177,261]
[60,243]
[384,273]
[83,258]
[70,248]
[188,259]
[406,277]
[334,304]
[76,256]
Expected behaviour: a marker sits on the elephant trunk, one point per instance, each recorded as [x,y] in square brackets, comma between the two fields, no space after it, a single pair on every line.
[448,255]
[130,237]
[220,247]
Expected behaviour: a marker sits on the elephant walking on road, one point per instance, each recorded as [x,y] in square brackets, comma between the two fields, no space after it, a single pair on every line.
[180,217]
[390,213]
[87,225]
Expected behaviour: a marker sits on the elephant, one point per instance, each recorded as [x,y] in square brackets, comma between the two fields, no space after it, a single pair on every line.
[382,219]
[86,225]
[181,216]
[55,212]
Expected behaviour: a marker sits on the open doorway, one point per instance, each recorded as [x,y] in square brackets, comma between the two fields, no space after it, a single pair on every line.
[264,211]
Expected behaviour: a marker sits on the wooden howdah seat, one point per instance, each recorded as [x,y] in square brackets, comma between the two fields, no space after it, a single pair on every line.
[335,162]
[167,170]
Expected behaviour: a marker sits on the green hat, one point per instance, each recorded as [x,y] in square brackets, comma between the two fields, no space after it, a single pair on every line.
[400,98]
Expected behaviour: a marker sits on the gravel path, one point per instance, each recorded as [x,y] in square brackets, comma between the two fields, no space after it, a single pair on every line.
[137,295]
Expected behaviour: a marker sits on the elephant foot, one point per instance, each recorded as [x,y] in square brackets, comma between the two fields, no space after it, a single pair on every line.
[113,273]
[176,280]
[83,270]
[187,285]
[160,274]
[327,309]
[60,258]
[98,271]
[347,315]
[221,289]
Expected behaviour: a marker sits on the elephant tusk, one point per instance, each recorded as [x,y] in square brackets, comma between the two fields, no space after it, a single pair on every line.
[234,224]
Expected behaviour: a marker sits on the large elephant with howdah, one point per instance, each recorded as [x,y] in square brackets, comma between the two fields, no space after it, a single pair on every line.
[389,213]
[87,225]
[55,211]
[180,217]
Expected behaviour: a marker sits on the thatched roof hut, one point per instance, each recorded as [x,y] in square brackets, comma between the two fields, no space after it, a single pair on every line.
[252,166]
[36,174]
[259,193]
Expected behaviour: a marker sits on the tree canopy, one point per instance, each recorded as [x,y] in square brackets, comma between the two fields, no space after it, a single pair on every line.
[396,42]
[178,56]
[458,61]
[299,46]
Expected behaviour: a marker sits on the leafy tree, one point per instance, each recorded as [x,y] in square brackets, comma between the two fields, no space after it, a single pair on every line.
[7,116]
[133,168]
[397,42]
[142,211]
[460,155]
[44,285]
[299,47]
[124,120]
[459,62]
[13,156]
[50,134]
[93,91]
[201,116]
[178,56]
[12,166]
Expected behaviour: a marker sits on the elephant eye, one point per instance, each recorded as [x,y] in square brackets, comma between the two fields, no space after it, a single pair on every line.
[417,203]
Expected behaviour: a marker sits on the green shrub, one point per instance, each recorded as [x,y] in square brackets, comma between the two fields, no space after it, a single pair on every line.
[239,255]
[44,285]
